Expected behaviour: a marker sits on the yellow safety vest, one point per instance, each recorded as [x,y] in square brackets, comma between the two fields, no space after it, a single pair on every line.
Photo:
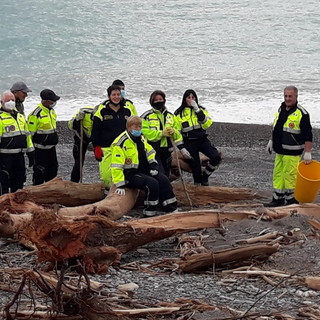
[154,122]
[14,134]
[125,156]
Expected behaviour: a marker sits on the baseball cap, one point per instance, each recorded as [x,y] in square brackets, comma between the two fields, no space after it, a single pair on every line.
[20,86]
[48,94]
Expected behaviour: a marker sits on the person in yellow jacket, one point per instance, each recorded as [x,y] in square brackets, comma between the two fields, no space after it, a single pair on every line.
[194,120]
[291,138]
[43,128]
[161,128]
[133,165]
[108,122]
[15,140]
[81,121]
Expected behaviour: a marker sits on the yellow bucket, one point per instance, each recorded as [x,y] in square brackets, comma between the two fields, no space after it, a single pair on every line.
[308,181]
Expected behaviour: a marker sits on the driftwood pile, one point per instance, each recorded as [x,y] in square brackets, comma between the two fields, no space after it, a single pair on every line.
[74,231]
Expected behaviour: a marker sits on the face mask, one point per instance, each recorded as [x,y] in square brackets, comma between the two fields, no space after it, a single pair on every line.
[10,105]
[123,93]
[158,105]
[136,133]
[53,105]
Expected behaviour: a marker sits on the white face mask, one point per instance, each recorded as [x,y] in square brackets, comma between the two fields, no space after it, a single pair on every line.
[53,105]
[9,105]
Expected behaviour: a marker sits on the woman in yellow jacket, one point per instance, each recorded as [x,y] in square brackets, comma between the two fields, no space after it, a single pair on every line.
[194,121]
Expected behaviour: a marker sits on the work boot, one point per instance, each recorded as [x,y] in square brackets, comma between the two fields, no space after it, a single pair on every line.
[205,180]
[292,201]
[275,203]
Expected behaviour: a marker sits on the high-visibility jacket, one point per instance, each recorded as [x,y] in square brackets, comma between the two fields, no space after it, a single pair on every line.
[193,124]
[131,107]
[14,134]
[294,131]
[154,122]
[125,158]
[87,123]
[42,124]
[108,124]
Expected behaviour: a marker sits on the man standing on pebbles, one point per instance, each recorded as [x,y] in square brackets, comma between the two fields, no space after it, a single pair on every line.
[43,128]
[291,137]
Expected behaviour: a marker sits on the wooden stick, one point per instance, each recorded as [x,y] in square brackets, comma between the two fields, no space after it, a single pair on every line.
[81,150]
[175,149]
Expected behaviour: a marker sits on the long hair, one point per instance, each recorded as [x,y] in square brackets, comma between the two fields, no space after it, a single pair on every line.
[184,103]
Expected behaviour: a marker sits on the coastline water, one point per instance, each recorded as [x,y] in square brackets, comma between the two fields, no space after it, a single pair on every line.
[237,55]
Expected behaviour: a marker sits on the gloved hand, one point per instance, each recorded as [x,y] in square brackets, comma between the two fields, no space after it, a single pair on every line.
[195,106]
[120,191]
[307,157]
[31,158]
[269,146]
[167,132]
[186,154]
[80,115]
[98,153]
[154,172]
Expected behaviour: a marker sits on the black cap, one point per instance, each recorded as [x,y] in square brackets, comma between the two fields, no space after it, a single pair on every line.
[48,94]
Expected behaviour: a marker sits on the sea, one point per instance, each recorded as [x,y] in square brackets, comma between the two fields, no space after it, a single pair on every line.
[238,55]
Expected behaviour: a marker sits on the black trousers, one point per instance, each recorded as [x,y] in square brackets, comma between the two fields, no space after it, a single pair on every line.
[164,158]
[46,165]
[204,146]
[12,172]
[158,190]
[75,173]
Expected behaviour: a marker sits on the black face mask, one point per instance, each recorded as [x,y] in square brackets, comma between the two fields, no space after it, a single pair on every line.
[158,105]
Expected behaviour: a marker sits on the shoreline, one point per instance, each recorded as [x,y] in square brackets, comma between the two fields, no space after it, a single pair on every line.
[222,134]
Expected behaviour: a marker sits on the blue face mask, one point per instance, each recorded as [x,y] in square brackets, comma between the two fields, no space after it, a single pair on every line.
[123,93]
[136,133]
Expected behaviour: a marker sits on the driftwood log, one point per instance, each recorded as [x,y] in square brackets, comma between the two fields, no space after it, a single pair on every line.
[99,242]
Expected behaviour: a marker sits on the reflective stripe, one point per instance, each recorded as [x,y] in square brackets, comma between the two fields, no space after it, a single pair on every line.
[151,152]
[46,131]
[120,184]
[187,129]
[169,201]
[294,131]
[296,147]
[9,151]
[278,196]
[40,146]
[116,165]
[30,149]
[131,166]
[178,143]
[13,134]
[153,161]
[151,203]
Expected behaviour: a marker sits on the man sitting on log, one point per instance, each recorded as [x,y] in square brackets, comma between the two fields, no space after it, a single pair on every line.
[133,165]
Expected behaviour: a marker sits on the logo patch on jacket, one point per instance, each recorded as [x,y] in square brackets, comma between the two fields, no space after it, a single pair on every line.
[291,125]
[10,128]
[107,117]
[128,161]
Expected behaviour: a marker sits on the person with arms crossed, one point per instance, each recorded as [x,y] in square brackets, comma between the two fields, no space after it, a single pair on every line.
[291,137]
[43,128]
